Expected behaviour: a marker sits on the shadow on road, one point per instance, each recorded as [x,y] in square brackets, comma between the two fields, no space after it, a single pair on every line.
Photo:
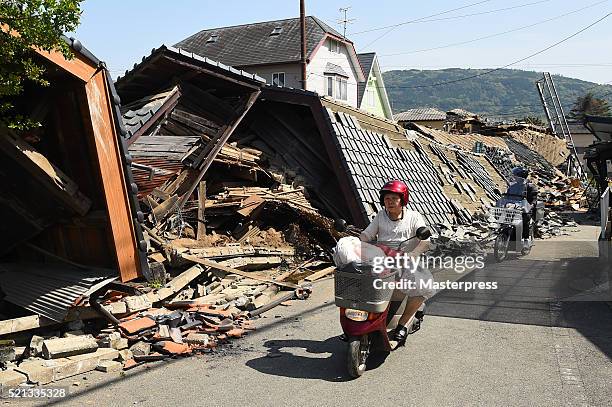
[322,360]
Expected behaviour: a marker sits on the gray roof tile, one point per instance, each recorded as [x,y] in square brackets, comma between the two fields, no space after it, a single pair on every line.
[427,113]
[252,44]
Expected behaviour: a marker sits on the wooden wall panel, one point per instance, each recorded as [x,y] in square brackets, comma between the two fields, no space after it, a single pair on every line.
[115,189]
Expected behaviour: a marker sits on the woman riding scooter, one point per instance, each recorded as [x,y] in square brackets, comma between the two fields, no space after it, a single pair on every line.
[395,224]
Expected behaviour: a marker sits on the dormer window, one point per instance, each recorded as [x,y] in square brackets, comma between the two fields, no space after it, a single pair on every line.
[276,31]
[212,38]
[334,46]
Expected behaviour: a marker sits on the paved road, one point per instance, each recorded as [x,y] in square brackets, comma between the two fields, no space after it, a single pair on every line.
[474,349]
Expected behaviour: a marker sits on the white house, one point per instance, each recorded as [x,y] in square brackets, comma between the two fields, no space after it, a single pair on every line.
[271,50]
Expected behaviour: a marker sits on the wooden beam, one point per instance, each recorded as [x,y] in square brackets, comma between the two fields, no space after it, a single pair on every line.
[165,208]
[217,266]
[100,126]
[321,273]
[224,76]
[201,205]
[79,66]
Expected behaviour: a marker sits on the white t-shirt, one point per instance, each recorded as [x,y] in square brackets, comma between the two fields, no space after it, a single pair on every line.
[383,229]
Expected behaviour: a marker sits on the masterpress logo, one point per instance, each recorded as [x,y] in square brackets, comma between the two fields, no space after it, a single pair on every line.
[430,284]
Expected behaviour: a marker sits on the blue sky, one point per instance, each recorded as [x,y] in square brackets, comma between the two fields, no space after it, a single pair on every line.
[122,32]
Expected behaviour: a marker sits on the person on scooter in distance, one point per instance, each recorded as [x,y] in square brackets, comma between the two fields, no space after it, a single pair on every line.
[524,193]
[395,224]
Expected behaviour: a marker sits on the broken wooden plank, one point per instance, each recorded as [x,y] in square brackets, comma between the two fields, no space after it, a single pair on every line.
[176,284]
[217,266]
[321,273]
[165,207]
[201,232]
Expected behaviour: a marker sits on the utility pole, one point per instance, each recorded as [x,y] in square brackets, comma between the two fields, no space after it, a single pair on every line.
[303,41]
[345,21]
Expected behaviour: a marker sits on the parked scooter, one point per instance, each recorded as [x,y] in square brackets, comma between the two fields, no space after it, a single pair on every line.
[367,313]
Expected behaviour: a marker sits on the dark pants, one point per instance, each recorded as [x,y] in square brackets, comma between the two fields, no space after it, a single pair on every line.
[526,225]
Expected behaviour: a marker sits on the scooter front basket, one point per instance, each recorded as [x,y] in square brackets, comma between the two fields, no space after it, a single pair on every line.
[507,216]
[358,287]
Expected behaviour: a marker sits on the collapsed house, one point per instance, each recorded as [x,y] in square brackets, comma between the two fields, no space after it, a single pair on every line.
[68,199]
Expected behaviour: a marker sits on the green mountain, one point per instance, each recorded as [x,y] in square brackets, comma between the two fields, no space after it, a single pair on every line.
[505,94]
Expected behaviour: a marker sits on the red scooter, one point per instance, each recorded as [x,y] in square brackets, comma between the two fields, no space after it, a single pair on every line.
[367,310]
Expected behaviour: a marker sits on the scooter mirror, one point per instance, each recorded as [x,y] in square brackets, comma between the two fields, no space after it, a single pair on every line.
[423,233]
[340,225]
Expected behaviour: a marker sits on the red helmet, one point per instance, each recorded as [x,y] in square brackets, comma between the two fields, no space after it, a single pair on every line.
[397,187]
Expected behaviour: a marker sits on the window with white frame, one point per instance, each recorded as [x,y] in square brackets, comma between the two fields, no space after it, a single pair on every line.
[370,97]
[334,46]
[278,79]
[341,88]
[329,85]
[336,87]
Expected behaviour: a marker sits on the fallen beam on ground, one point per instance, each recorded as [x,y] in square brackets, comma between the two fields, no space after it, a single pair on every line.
[217,266]
[321,273]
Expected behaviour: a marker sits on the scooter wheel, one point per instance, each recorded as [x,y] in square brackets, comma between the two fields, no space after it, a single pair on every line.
[500,250]
[358,350]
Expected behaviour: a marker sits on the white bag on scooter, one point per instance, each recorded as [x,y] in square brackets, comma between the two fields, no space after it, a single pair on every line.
[351,249]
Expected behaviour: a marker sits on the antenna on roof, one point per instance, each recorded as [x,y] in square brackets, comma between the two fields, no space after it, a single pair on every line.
[345,21]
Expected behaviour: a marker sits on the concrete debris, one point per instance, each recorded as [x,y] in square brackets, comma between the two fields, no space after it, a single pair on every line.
[71,346]
[109,366]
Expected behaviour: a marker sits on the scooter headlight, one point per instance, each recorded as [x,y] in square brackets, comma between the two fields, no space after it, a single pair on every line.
[356,315]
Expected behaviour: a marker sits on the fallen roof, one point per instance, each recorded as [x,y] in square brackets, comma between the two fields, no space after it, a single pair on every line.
[600,126]
[462,113]
[102,118]
[136,114]
[164,64]
[254,44]
[420,114]
[464,141]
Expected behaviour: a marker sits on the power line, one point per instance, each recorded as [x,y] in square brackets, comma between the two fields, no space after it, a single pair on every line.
[420,18]
[391,28]
[496,34]
[484,12]
[429,20]
[510,64]
[441,67]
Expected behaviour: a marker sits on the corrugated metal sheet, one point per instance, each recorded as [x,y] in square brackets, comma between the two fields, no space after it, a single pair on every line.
[50,290]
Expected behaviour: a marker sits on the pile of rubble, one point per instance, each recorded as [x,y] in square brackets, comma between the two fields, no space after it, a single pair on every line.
[197,311]
[557,191]
[474,239]
[554,224]
[263,247]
